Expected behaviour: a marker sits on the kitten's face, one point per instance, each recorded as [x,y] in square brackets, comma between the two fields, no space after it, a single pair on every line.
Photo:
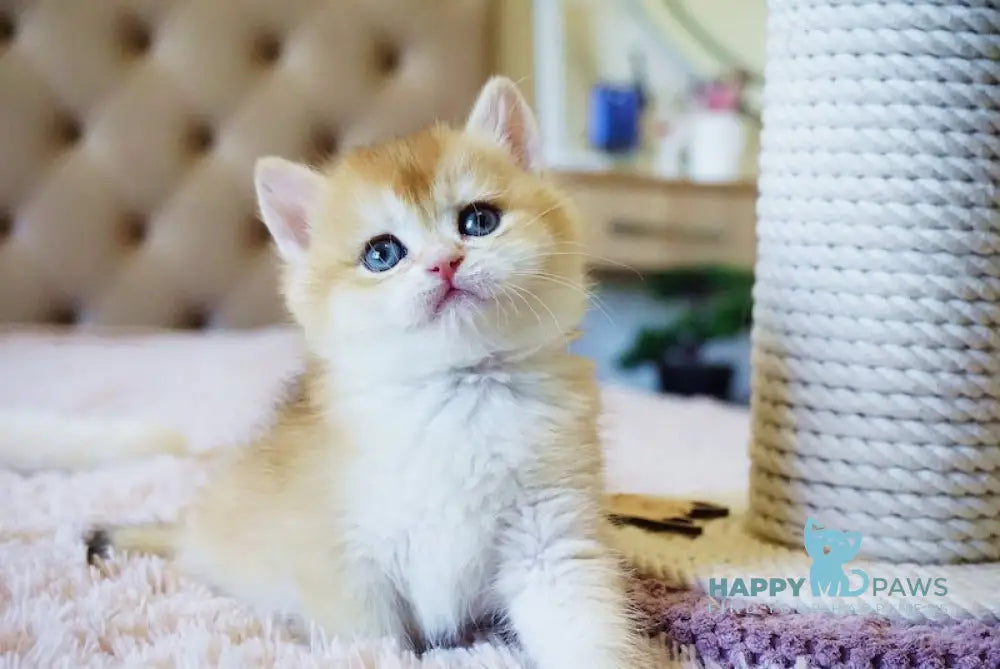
[443,237]
[830,544]
[446,241]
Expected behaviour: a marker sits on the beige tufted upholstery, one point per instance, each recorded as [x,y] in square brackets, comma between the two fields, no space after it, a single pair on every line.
[128,131]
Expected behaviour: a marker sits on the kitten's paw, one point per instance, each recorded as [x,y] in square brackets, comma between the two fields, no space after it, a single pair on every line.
[151,538]
[98,543]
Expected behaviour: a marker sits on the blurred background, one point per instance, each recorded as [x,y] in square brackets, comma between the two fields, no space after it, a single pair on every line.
[650,110]
[130,128]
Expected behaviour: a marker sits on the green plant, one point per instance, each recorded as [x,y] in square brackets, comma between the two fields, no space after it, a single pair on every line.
[718,303]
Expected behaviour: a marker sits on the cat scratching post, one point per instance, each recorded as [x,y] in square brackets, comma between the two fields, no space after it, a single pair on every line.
[876,344]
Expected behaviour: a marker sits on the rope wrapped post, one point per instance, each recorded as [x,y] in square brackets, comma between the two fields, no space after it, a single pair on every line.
[876,341]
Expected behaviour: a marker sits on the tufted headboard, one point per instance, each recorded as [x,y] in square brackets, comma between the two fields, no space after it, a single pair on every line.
[129,128]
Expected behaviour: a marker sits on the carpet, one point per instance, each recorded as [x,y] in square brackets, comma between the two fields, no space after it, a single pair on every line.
[732,637]
[218,389]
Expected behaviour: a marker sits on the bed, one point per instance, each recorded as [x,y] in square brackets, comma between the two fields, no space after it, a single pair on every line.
[136,283]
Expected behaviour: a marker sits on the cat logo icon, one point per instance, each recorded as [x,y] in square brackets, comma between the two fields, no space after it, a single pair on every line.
[830,549]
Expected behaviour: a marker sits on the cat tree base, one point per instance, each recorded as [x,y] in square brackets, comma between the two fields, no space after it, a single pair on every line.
[728,550]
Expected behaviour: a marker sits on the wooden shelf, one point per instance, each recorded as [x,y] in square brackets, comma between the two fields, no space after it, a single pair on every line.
[640,179]
[648,224]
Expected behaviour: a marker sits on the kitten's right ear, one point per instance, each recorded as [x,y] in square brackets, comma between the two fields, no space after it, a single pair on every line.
[502,114]
[286,194]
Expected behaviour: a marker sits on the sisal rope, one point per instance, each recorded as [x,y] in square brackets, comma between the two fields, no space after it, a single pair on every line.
[876,342]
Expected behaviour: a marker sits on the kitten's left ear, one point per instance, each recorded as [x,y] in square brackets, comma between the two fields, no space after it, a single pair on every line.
[502,114]
[286,194]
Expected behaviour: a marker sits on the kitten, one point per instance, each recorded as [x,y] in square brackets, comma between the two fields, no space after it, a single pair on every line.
[440,464]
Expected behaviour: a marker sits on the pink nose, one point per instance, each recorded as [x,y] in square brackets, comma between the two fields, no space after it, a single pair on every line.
[446,267]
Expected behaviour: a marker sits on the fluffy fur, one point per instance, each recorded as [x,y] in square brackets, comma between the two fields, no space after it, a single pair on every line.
[438,465]
[65,442]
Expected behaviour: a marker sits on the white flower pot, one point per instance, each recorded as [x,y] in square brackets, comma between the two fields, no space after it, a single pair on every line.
[717,141]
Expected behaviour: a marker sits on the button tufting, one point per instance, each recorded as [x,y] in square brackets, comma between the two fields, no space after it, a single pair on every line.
[6,224]
[136,37]
[257,232]
[134,228]
[266,49]
[200,137]
[194,318]
[65,314]
[8,29]
[251,83]
[322,145]
[387,57]
[68,129]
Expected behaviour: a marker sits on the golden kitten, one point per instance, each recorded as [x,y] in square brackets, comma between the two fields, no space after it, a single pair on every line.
[439,465]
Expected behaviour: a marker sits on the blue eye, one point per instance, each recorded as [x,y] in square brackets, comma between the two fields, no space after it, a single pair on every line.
[478,219]
[383,253]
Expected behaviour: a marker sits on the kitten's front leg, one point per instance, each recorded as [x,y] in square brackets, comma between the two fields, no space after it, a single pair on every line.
[354,602]
[565,595]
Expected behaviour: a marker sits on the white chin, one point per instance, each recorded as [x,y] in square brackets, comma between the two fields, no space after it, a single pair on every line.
[459,303]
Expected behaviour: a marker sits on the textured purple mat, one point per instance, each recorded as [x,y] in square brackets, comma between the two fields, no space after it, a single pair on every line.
[763,638]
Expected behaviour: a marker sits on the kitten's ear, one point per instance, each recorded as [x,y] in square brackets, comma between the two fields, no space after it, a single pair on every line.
[502,113]
[286,193]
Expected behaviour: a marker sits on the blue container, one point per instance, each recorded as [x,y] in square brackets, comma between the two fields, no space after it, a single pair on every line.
[614,117]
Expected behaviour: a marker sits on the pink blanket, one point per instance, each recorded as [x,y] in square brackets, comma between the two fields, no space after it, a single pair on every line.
[218,389]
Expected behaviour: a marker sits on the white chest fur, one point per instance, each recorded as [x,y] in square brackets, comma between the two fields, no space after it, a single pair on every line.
[436,476]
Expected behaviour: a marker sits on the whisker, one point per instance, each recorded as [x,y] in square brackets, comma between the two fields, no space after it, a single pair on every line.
[514,291]
[590,295]
[521,289]
[479,335]
[603,259]
[587,254]
[504,292]
[503,309]
[540,216]
[532,252]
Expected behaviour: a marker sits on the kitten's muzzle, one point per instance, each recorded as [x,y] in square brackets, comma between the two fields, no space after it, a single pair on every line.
[446,268]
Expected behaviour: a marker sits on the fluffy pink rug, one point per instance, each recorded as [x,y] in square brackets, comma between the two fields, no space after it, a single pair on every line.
[217,389]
